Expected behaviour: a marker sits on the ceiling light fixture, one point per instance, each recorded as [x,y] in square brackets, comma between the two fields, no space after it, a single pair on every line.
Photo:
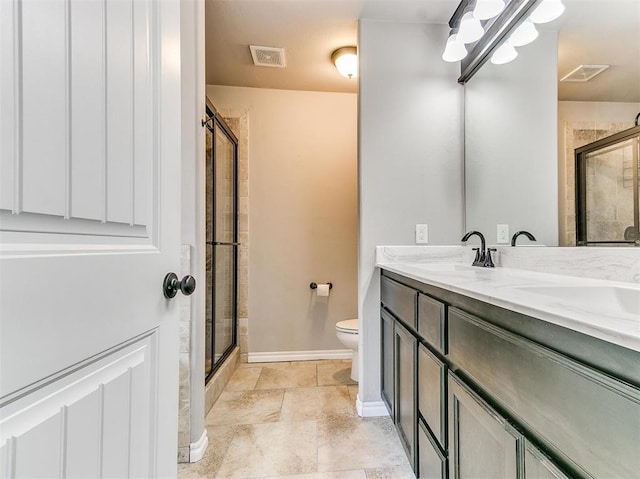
[547,11]
[455,50]
[524,34]
[486,9]
[346,61]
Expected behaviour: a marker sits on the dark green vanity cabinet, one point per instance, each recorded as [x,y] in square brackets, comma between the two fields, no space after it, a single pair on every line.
[405,374]
[501,395]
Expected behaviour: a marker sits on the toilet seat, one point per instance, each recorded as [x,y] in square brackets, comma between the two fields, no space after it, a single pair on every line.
[349,326]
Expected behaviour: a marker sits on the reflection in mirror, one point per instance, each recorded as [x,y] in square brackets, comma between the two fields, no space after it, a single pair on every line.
[523,125]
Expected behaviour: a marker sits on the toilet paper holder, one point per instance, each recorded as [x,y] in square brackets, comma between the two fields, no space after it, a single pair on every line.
[315,285]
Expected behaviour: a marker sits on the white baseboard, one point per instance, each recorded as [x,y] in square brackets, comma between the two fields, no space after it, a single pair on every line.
[197,449]
[278,356]
[371,408]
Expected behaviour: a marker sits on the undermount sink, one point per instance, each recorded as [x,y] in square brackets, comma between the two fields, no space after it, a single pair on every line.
[607,299]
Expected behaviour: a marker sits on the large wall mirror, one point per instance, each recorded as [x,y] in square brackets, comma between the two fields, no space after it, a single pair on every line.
[523,126]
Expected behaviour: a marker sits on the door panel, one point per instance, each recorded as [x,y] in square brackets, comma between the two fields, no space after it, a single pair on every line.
[388,382]
[405,375]
[93,421]
[538,466]
[89,226]
[483,445]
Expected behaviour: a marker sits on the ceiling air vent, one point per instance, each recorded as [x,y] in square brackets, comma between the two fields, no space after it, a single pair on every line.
[267,56]
[584,73]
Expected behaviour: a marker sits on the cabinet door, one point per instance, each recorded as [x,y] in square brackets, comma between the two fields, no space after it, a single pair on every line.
[538,466]
[432,322]
[483,445]
[388,384]
[400,300]
[432,464]
[405,371]
[431,392]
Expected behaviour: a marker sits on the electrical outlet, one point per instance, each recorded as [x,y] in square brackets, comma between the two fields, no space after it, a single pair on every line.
[503,233]
[422,234]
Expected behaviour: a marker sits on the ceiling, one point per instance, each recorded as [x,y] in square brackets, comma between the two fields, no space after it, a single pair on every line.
[308,30]
[590,31]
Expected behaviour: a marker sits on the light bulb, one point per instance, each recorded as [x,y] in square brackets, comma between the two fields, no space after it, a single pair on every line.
[470,29]
[547,11]
[524,34]
[454,51]
[505,54]
[346,61]
[486,9]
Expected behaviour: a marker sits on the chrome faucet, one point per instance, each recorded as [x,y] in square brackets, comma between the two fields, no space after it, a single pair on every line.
[480,252]
[519,233]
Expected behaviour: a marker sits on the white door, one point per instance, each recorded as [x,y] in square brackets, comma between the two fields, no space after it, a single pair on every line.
[89,226]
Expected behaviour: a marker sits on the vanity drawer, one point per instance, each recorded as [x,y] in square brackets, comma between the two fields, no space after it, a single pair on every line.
[588,418]
[400,300]
[432,322]
[431,392]
[432,464]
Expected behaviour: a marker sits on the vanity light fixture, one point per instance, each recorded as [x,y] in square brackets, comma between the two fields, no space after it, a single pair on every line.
[547,11]
[506,24]
[455,50]
[524,34]
[346,61]
[470,29]
[505,54]
[486,9]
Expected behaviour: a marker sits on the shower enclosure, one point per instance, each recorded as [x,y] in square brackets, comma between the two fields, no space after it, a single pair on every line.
[607,191]
[222,241]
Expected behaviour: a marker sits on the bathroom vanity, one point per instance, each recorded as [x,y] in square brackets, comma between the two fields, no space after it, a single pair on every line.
[504,373]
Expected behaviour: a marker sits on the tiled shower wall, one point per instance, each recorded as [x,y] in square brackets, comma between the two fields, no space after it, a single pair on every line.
[578,134]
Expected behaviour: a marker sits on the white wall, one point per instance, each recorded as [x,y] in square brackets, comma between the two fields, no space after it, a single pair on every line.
[302,214]
[410,159]
[511,144]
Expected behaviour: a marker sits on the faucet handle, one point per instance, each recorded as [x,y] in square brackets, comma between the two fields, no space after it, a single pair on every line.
[478,259]
[488,261]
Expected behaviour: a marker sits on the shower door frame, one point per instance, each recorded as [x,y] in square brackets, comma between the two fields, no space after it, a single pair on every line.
[581,185]
[213,122]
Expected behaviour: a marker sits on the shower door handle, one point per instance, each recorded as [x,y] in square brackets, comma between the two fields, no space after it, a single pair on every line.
[220,243]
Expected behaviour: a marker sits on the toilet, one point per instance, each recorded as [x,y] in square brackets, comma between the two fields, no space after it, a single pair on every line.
[347,332]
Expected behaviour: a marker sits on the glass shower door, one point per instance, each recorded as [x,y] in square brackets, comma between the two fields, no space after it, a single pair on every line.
[222,245]
[608,190]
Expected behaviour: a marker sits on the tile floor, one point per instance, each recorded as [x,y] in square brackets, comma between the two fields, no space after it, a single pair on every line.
[296,420]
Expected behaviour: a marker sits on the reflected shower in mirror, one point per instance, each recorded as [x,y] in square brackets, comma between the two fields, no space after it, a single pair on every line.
[524,120]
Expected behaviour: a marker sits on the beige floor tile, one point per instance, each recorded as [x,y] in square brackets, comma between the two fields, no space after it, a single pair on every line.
[348,442]
[323,361]
[334,374]
[353,392]
[398,472]
[244,379]
[246,407]
[291,376]
[302,404]
[359,474]
[275,449]
[260,365]
[219,439]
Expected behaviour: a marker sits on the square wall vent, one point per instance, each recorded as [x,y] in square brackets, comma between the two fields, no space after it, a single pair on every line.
[267,56]
[584,73]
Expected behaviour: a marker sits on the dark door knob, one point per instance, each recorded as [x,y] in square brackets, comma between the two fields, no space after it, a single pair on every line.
[171,285]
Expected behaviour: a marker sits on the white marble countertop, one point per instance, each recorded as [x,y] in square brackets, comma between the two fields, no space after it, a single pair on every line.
[608,310]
